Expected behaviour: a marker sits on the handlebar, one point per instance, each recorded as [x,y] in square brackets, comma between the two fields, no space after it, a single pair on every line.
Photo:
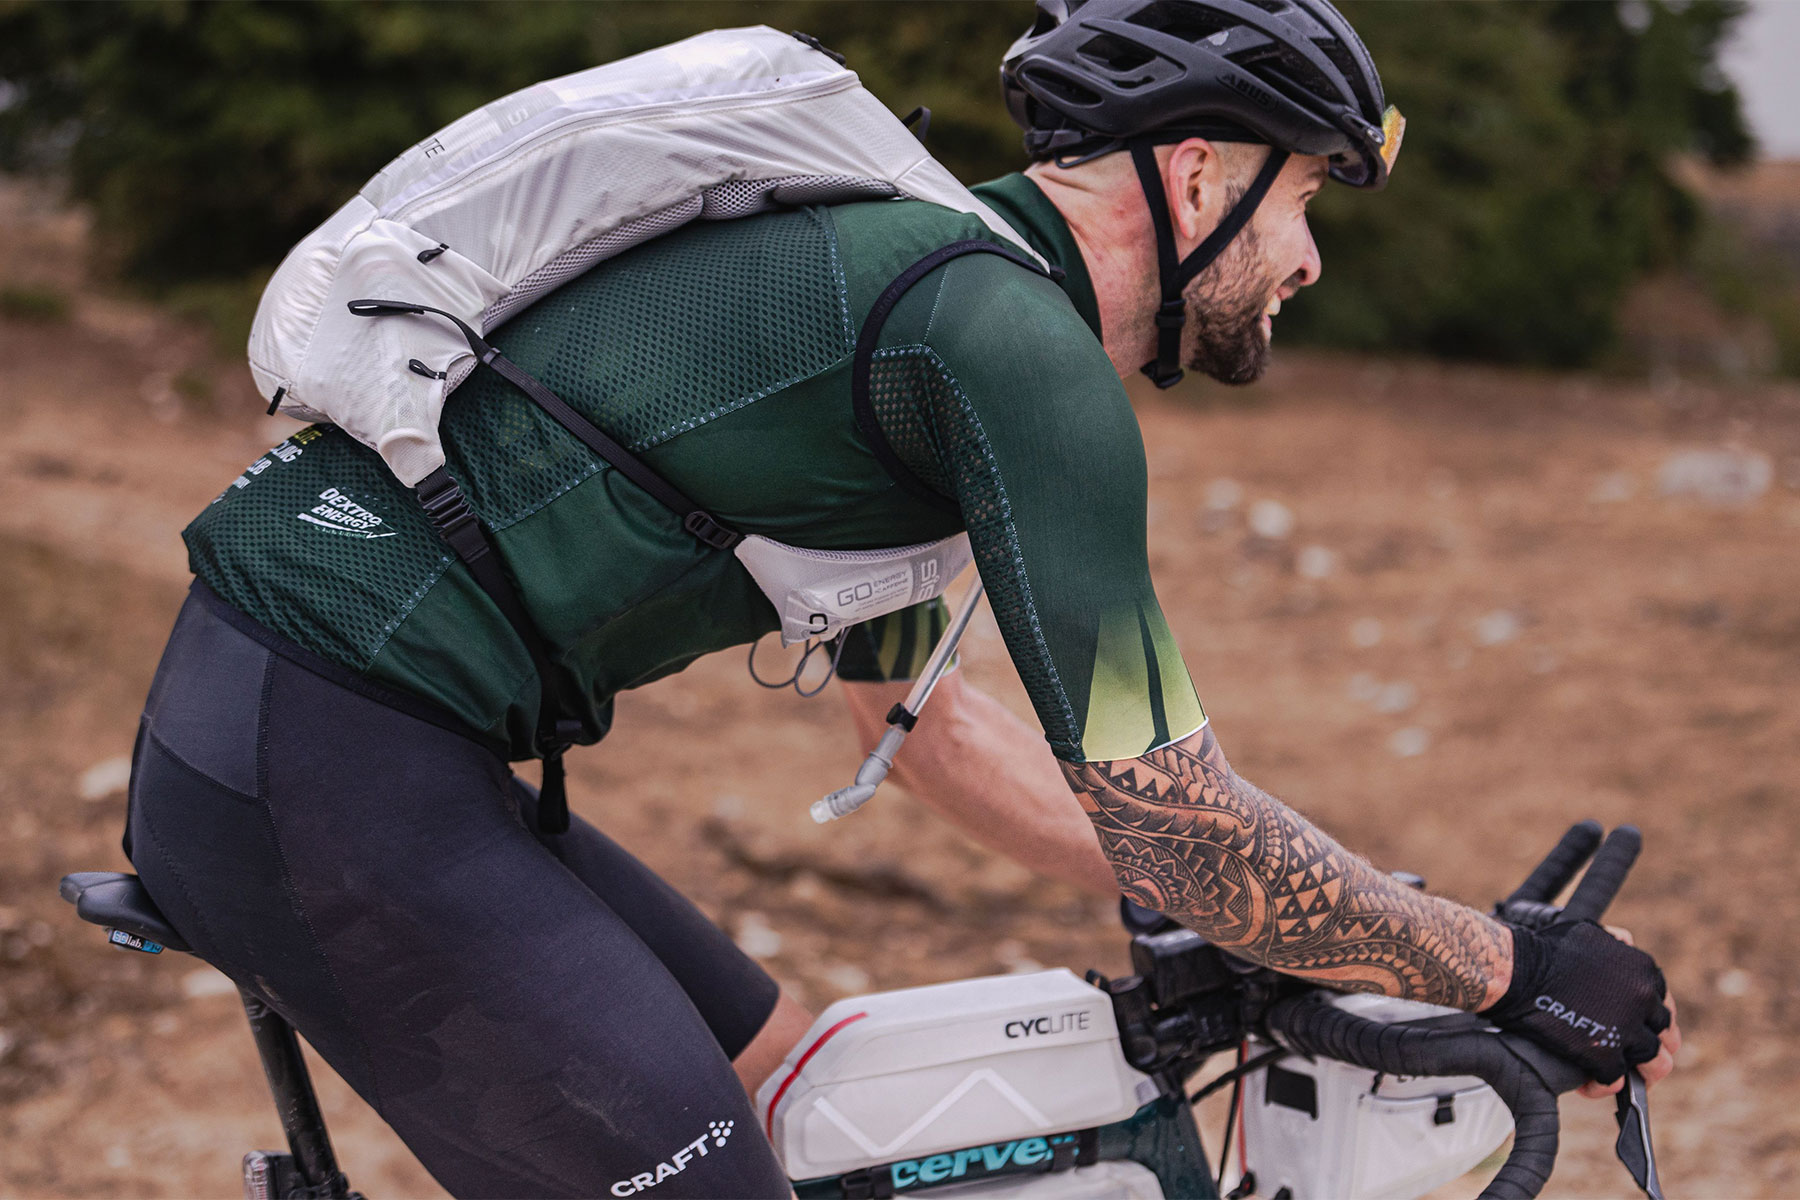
[1526,1078]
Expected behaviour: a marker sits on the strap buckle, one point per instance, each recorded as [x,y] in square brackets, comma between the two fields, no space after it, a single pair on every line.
[1172,314]
[450,514]
[701,524]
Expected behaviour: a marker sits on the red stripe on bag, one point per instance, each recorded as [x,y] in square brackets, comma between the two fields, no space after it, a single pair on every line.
[769,1119]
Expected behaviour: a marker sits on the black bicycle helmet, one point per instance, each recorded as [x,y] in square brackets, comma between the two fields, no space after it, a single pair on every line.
[1093,76]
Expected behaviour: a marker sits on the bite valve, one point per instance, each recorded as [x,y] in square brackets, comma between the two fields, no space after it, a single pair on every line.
[900,719]
[874,769]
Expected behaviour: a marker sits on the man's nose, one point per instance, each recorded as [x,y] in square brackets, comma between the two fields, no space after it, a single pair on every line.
[1312,266]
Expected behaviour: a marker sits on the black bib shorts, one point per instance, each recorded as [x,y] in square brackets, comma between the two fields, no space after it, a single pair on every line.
[535,1015]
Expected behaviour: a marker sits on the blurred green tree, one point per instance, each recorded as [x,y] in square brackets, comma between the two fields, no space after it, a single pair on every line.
[207,138]
[1536,182]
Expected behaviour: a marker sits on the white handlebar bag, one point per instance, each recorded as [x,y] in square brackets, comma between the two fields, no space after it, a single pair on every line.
[517,198]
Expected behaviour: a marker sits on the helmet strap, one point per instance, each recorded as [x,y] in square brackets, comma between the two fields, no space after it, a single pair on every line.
[1165,369]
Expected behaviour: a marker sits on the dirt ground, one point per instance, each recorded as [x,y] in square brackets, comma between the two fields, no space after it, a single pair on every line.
[1444,611]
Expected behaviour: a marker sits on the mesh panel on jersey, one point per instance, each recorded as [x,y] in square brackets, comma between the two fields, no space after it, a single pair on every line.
[338,590]
[903,389]
[510,456]
[655,342]
[923,412]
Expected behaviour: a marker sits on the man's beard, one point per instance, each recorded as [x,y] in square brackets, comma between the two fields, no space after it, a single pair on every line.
[1224,314]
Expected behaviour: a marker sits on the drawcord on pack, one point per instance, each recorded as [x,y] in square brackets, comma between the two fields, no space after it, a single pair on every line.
[793,681]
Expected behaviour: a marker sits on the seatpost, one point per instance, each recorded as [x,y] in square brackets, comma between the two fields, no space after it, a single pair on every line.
[292,1087]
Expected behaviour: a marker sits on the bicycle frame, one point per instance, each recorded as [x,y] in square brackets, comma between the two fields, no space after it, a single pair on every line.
[1187,1001]
[1161,1136]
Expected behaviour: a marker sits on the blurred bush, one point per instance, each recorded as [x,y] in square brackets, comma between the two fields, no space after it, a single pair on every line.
[207,138]
[1537,178]
[33,303]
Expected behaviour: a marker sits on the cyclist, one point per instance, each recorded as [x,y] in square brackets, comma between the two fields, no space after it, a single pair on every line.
[321,800]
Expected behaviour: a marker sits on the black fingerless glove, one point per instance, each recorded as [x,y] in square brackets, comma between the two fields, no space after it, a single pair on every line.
[1584,995]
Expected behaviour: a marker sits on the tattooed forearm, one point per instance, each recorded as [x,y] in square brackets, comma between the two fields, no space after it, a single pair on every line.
[1187,837]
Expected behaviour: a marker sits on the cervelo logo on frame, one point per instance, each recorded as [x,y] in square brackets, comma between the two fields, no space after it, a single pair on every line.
[977,1161]
[716,1132]
[1604,1037]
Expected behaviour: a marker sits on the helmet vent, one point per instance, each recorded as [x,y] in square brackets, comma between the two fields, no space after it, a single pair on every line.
[1189,22]
[1062,87]
[1344,61]
[1291,65]
[1115,53]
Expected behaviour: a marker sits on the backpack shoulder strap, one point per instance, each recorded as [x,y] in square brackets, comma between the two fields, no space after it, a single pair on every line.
[694,519]
[460,529]
[861,402]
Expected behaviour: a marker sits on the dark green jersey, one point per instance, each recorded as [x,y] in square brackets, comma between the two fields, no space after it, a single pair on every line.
[721,354]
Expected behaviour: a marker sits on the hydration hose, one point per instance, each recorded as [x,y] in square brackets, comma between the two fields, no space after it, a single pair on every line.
[901,719]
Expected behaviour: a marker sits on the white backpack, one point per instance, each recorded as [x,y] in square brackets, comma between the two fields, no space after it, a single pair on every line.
[519,197]
[373,319]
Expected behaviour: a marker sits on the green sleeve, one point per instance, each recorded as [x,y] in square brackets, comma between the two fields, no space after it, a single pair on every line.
[893,647]
[1038,443]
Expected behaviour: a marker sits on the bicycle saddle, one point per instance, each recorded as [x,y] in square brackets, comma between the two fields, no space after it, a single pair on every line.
[119,901]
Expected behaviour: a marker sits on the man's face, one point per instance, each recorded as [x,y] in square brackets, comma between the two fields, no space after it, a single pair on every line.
[1233,302]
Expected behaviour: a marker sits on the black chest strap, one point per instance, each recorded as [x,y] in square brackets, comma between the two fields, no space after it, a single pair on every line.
[457,525]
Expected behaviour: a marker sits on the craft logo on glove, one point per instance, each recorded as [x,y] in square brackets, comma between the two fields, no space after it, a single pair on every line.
[1604,1037]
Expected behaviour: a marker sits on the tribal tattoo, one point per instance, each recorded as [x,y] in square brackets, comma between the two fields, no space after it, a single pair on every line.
[1188,838]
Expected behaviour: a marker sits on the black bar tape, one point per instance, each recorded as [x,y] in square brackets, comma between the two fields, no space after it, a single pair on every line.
[1559,866]
[1533,914]
[1526,1078]
[1605,875]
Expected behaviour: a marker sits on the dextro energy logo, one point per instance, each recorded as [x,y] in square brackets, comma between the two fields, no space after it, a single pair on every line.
[1044,1026]
[717,1133]
[340,514]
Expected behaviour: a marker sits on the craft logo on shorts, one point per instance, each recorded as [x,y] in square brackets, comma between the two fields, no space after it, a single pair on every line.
[340,514]
[717,1132]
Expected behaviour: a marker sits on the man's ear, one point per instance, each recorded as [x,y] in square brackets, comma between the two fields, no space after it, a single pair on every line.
[1194,180]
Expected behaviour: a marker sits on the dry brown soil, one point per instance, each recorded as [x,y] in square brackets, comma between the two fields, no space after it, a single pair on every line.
[1507,593]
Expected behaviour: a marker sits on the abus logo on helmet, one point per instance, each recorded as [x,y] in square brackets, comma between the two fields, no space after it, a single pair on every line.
[1248,90]
[716,1133]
